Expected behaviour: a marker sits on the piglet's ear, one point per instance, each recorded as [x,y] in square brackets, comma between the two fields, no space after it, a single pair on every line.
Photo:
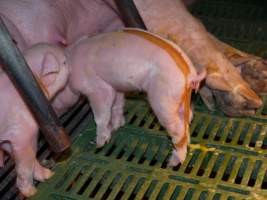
[50,69]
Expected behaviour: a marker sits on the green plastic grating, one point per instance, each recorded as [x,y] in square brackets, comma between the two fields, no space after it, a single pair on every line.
[227,160]
[241,23]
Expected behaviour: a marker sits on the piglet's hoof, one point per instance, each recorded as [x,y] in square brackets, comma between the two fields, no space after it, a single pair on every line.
[41,173]
[117,124]
[101,140]
[28,191]
[176,158]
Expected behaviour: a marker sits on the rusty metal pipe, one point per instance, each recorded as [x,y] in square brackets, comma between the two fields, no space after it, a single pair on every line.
[22,77]
[130,14]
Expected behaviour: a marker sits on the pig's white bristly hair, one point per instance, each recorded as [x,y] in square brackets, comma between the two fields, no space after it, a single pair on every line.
[184,55]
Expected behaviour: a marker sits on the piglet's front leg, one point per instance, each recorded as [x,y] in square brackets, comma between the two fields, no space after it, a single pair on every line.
[101,97]
[27,166]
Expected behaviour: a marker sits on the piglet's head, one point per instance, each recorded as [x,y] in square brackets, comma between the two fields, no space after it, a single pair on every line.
[48,63]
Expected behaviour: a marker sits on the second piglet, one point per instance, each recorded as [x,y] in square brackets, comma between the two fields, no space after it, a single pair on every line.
[18,128]
[106,66]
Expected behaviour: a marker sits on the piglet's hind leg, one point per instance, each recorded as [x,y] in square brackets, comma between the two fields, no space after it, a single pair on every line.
[166,110]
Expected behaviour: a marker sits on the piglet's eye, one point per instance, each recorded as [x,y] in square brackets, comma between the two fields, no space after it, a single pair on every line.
[64,63]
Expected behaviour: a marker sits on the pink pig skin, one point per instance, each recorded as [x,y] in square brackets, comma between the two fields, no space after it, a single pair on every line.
[19,130]
[105,66]
[58,22]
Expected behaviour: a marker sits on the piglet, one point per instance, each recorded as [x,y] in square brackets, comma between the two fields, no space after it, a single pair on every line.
[18,129]
[106,66]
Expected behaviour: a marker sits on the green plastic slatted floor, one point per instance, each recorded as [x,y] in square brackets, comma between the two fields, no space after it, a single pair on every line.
[227,157]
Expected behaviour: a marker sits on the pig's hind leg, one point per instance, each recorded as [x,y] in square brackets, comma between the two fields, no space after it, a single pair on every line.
[117,118]
[166,108]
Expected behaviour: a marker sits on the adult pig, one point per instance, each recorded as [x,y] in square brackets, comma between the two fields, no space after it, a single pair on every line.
[105,66]
[18,129]
[59,22]
[172,20]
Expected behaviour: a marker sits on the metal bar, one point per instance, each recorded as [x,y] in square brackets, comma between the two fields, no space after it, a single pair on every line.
[130,14]
[22,77]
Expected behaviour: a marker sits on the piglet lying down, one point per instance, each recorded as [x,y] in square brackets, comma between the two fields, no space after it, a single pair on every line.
[105,66]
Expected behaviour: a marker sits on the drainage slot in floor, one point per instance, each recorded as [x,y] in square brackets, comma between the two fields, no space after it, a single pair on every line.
[133,119]
[153,124]
[217,165]
[204,164]
[162,191]
[176,192]
[149,190]
[232,132]
[122,152]
[217,196]
[197,128]
[209,128]
[192,162]
[221,130]
[255,136]
[264,182]
[143,157]
[189,194]
[203,195]
[99,184]
[241,171]
[229,168]
[88,181]
[126,184]
[165,162]
[111,186]
[110,151]
[79,175]
[137,188]
[254,173]
[243,134]
[264,143]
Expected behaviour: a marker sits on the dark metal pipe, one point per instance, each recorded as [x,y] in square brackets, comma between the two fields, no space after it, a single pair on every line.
[130,14]
[22,77]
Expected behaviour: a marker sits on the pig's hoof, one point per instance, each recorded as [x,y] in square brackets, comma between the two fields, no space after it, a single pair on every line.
[176,158]
[116,124]
[101,140]
[41,173]
[122,121]
[28,191]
